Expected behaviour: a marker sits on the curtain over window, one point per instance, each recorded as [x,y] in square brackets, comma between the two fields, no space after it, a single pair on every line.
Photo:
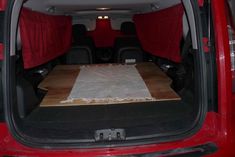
[44,37]
[160,33]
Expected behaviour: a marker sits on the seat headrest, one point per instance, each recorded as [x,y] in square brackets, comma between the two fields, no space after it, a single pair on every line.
[79,30]
[128,28]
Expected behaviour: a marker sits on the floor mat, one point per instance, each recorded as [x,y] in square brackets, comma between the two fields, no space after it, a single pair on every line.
[81,121]
[113,83]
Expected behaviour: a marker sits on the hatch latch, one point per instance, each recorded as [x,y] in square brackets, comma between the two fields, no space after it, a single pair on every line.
[110,135]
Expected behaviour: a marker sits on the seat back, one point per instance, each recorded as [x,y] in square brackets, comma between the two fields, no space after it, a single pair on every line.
[128,28]
[80,37]
[79,55]
[122,42]
[130,55]
[83,47]
[127,48]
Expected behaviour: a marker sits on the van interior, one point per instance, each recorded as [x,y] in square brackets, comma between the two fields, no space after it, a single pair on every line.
[102,72]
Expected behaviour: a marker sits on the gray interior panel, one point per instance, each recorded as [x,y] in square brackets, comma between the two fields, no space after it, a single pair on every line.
[76,6]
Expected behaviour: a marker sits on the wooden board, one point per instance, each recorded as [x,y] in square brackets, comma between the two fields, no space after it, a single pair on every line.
[60,81]
[157,82]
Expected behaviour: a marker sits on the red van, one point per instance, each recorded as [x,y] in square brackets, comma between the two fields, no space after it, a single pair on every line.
[117,78]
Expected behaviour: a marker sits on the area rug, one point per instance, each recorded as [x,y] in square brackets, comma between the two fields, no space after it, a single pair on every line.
[109,83]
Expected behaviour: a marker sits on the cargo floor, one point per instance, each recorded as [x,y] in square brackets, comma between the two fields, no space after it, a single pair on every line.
[80,122]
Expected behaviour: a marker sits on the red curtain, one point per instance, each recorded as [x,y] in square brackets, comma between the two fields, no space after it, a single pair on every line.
[201,3]
[104,35]
[3,5]
[1,51]
[44,37]
[160,33]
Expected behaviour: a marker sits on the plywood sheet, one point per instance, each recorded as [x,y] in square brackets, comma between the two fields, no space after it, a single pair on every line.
[60,81]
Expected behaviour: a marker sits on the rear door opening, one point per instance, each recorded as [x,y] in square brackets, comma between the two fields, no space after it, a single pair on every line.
[86,75]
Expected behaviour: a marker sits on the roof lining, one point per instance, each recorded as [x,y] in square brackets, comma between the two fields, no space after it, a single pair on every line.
[77,7]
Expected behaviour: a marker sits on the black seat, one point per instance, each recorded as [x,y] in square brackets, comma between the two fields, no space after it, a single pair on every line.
[128,28]
[127,48]
[80,37]
[79,55]
[82,48]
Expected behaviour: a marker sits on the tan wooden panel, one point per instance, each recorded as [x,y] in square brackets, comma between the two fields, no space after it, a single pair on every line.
[157,82]
[60,81]
[62,76]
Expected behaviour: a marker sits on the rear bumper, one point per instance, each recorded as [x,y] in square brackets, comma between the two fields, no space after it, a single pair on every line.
[209,140]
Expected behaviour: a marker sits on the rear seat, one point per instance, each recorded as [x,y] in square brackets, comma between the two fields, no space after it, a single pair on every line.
[127,48]
[82,48]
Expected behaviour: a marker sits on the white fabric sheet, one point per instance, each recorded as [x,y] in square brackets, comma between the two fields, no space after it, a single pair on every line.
[112,82]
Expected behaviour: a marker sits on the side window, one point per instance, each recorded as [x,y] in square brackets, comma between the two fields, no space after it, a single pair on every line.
[231,32]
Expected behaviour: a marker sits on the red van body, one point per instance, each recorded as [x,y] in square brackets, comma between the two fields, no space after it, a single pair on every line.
[218,128]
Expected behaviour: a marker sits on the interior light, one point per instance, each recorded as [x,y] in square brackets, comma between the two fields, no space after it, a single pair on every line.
[102,9]
[103,17]
[100,17]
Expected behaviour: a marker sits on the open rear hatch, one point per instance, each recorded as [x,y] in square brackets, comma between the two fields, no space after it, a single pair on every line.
[140,82]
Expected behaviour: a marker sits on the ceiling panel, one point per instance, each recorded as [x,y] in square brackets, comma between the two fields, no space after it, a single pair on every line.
[90,6]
